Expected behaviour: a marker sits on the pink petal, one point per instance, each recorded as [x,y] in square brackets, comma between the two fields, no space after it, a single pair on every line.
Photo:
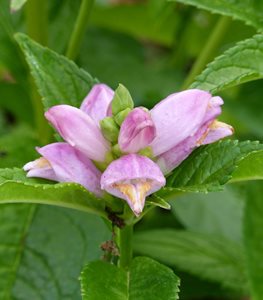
[137,131]
[177,117]
[173,157]
[217,131]
[97,102]
[213,109]
[68,165]
[208,133]
[132,178]
[40,168]
[79,130]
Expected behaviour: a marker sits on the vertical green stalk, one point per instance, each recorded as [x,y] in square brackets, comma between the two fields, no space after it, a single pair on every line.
[79,29]
[125,246]
[209,50]
[37,29]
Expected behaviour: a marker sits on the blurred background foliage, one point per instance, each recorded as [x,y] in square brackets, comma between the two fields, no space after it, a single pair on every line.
[149,46]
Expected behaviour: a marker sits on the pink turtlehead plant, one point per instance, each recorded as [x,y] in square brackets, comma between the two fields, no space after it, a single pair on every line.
[111,146]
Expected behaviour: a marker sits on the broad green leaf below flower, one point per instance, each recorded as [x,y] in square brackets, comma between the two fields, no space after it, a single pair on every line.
[147,279]
[59,80]
[207,256]
[237,65]
[44,240]
[245,10]
[15,187]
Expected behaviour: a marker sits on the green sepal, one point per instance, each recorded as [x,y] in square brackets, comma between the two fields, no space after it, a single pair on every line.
[116,150]
[121,100]
[102,166]
[120,117]
[110,129]
[147,152]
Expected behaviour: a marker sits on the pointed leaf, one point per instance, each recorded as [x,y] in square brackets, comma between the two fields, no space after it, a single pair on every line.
[210,257]
[245,10]
[59,80]
[147,279]
[15,187]
[210,167]
[38,246]
[237,65]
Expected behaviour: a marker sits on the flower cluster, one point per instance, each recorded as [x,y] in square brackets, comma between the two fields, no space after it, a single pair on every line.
[112,146]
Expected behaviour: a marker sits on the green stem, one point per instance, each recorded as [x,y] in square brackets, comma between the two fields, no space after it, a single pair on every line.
[79,29]
[125,246]
[37,28]
[209,50]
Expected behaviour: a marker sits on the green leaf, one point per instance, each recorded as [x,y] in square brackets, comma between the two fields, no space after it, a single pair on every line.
[43,248]
[15,187]
[147,279]
[253,236]
[218,213]
[210,257]
[250,168]
[17,4]
[245,10]
[210,167]
[59,80]
[237,65]
[158,201]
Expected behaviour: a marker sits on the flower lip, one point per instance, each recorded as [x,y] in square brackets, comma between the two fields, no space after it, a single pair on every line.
[41,168]
[132,178]
[64,163]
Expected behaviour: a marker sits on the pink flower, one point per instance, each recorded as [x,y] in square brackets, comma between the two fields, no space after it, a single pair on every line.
[137,131]
[132,178]
[183,122]
[171,130]
[64,163]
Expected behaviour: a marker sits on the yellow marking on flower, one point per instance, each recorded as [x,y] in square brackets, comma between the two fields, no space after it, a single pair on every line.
[217,124]
[135,193]
[213,126]
[42,163]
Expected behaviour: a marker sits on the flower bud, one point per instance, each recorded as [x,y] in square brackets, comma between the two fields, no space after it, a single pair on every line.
[110,129]
[121,100]
[121,116]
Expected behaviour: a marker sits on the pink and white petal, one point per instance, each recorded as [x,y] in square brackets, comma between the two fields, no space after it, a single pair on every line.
[79,130]
[177,117]
[207,134]
[40,168]
[213,109]
[70,165]
[132,178]
[97,102]
[137,131]
[217,130]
